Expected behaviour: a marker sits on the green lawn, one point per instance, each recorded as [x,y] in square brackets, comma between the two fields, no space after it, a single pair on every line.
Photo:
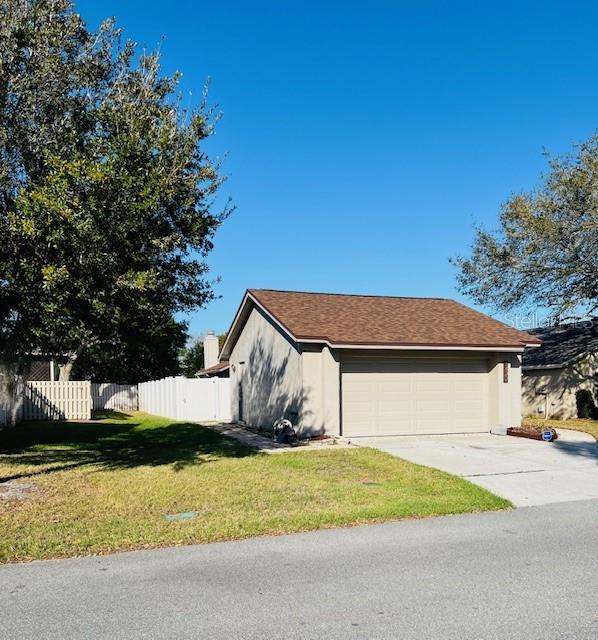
[107,485]
[577,424]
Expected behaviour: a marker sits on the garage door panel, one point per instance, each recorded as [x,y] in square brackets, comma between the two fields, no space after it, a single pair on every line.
[395,384]
[390,410]
[431,383]
[429,426]
[396,398]
[466,408]
[432,406]
[389,428]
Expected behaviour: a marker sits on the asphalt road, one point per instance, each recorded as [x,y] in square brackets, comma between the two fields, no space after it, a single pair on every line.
[529,573]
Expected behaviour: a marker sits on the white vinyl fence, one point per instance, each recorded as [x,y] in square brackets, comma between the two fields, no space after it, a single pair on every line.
[45,400]
[192,399]
[107,395]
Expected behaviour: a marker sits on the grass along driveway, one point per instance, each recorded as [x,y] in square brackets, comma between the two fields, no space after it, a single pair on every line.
[107,485]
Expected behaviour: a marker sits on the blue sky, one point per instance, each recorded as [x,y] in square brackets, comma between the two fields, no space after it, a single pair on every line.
[365,139]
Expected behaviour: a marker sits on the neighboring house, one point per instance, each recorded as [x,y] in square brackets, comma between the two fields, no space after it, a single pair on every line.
[41,368]
[566,362]
[371,365]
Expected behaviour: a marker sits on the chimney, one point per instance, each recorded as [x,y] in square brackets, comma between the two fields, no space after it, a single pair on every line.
[210,350]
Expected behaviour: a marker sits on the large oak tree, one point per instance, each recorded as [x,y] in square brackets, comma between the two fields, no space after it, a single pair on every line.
[106,191]
[545,251]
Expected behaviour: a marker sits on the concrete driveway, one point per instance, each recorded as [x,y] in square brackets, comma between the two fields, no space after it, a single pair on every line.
[526,472]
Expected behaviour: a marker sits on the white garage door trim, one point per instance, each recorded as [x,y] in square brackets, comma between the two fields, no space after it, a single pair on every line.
[407,397]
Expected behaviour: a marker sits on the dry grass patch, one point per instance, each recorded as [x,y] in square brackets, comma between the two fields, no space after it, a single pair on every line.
[108,484]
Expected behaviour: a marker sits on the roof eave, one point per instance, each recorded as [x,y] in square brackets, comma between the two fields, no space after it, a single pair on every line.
[212,370]
[544,367]
[412,346]
[556,365]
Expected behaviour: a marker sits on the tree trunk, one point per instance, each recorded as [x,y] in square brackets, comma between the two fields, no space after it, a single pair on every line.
[11,392]
[66,368]
[16,401]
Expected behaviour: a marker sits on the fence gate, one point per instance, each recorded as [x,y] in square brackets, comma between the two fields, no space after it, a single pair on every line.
[193,399]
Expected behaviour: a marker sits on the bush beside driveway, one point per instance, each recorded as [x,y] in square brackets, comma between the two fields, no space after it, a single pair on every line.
[113,483]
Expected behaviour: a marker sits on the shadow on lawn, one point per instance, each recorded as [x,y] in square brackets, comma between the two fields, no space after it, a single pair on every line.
[112,444]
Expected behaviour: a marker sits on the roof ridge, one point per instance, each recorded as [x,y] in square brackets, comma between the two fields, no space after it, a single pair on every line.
[352,295]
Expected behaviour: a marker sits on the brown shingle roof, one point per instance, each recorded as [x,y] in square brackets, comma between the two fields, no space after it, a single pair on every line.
[378,320]
[562,345]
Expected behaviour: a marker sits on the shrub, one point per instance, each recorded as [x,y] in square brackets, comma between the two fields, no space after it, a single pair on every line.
[586,407]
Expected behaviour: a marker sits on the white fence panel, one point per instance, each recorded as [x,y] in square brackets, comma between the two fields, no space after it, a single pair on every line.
[45,400]
[107,395]
[223,399]
[191,399]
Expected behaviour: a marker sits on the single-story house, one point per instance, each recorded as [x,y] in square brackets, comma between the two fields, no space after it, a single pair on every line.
[356,365]
[566,362]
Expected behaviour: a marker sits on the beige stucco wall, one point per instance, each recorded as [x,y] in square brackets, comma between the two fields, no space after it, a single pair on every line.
[281,381]
[504,397]
[321,386]
[560,387]
[269,368]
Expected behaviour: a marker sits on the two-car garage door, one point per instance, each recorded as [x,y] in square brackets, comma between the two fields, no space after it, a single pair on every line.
[383,397]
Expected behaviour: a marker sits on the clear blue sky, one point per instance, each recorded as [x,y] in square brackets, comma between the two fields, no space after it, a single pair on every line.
[365,139]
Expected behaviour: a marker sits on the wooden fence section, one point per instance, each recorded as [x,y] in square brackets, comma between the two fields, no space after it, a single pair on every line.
[107,395]
[192,399]
[44,400]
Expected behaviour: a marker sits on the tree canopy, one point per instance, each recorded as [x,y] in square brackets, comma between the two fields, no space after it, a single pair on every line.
[545,252]
[139,352]
[106,191]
